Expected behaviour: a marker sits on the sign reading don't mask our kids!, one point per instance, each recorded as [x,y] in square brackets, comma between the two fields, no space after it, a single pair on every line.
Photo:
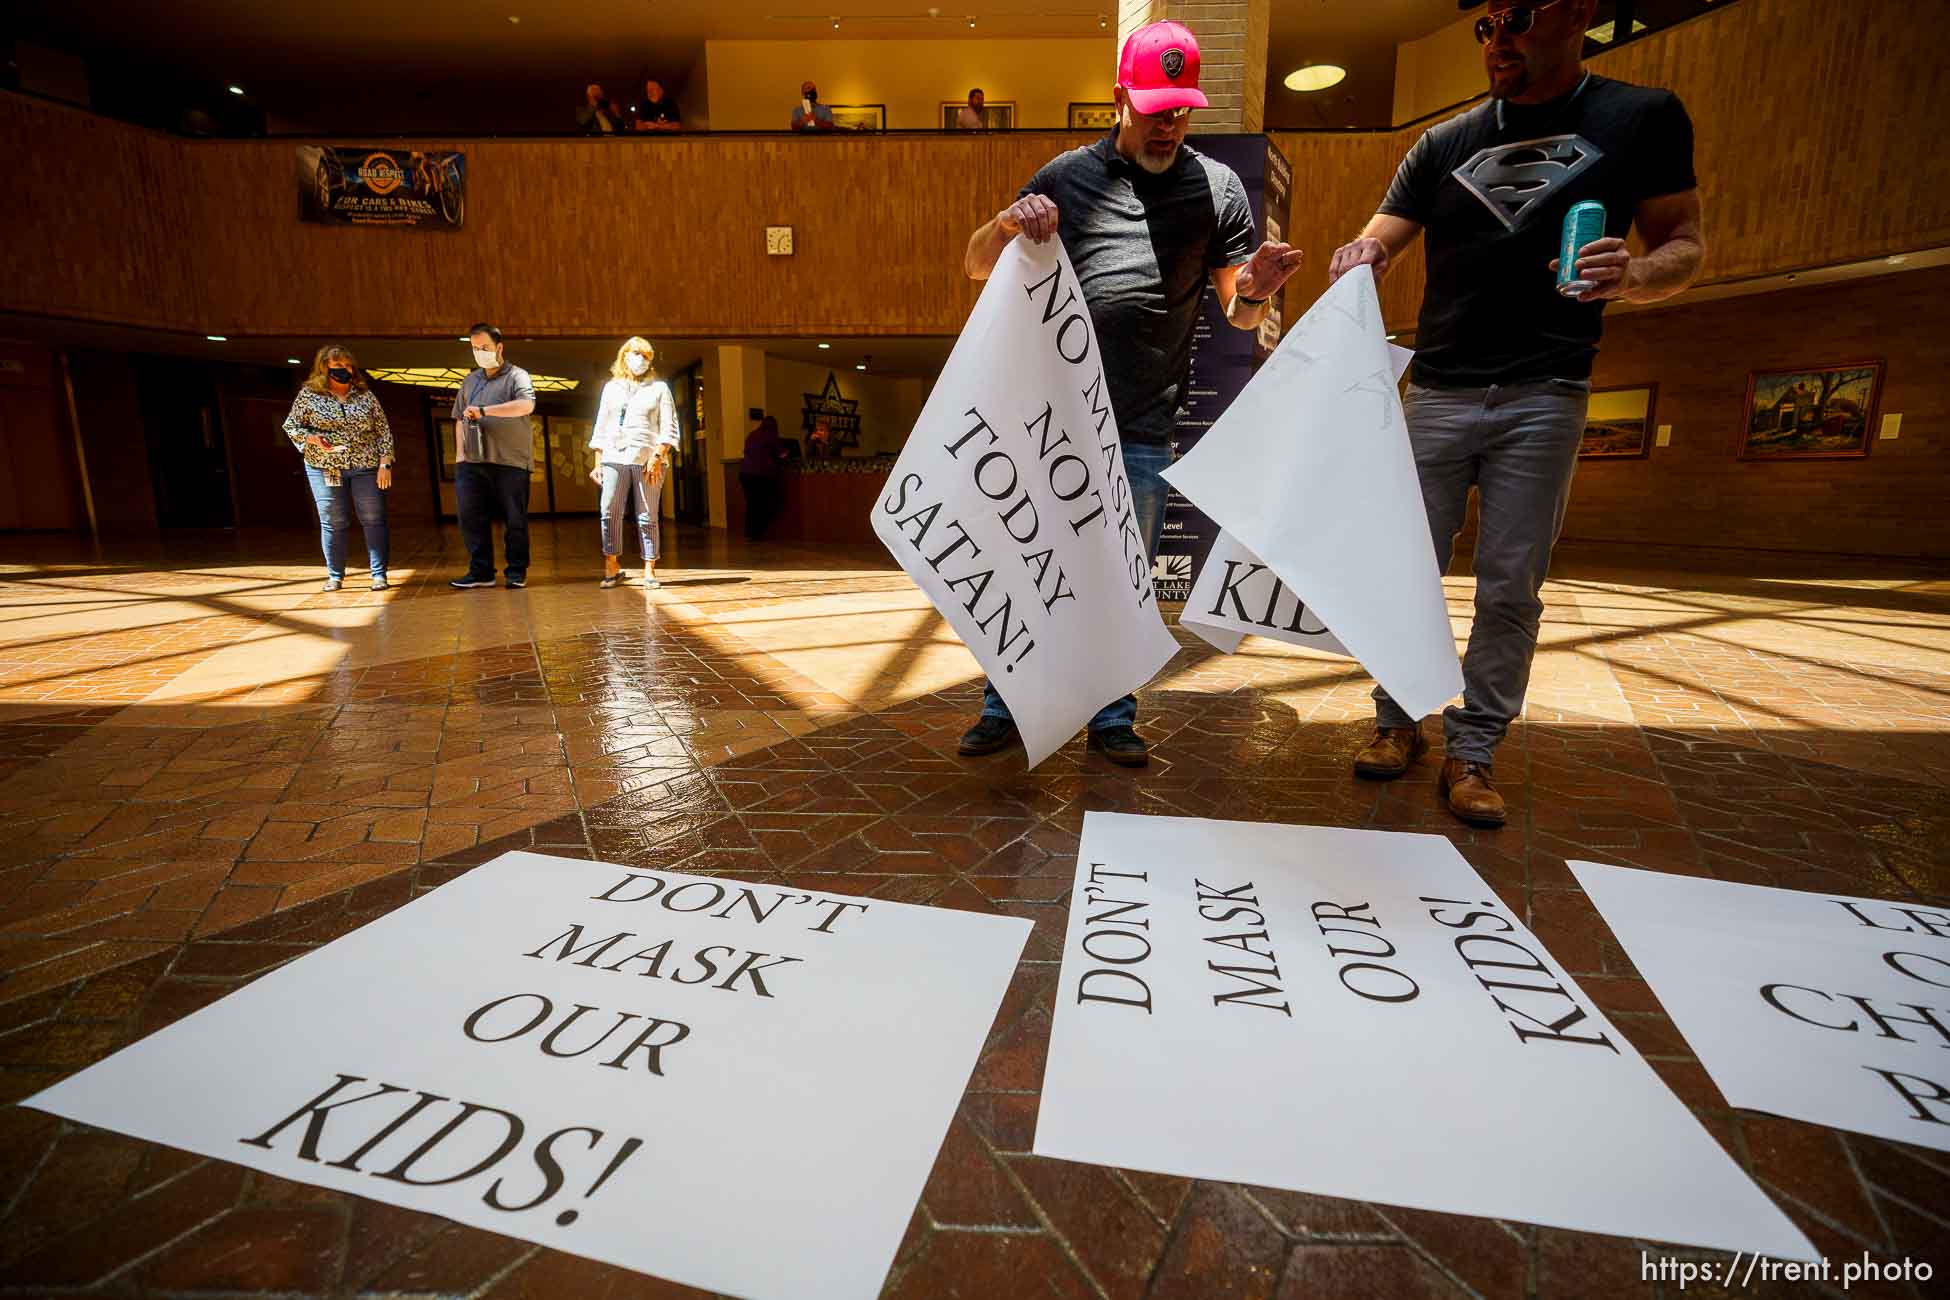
[382,187]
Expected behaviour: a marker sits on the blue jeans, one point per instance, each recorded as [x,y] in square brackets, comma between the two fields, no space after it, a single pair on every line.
[1517,444]
[1144,462]
[628,487]
[336,505]
[481,493]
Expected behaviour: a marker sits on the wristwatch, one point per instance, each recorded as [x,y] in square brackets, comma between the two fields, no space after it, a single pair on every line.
[1252,302]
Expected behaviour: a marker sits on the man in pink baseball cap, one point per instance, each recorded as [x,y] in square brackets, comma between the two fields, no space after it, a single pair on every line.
[1147,220]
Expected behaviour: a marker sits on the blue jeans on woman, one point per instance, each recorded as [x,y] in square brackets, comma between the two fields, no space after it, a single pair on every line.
[1144,462]
[358,494]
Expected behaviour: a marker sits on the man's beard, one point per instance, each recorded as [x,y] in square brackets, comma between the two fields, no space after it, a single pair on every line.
[1157,164]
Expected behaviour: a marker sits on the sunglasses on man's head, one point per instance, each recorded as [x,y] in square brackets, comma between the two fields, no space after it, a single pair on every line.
[1516,20]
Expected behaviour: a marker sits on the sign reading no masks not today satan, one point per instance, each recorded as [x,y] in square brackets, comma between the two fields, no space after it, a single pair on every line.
[1354,1013]
[740,1088]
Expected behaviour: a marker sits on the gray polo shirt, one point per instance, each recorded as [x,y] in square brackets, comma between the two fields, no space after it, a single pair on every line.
[505,439]
[1143,247]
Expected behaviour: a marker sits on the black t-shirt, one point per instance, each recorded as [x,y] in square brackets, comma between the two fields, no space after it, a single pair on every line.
[1143,247]
[664,110]
[1491,189]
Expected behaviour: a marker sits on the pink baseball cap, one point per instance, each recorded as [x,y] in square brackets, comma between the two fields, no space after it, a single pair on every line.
[1159,68]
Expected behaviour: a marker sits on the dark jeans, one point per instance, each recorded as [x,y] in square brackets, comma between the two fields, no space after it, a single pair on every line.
[336,505]
[483,492]
[1517,444]
[1144,462]
[762,493]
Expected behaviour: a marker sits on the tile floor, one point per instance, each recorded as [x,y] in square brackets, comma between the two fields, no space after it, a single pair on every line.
[208,767]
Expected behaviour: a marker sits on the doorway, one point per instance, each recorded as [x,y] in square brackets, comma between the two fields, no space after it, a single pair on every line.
[189,461]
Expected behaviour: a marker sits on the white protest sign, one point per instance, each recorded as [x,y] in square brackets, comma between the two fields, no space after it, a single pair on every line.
[1237,595]
[1010,507]
[1353,1013]
[736,1087]
[1311,472]
[1825,1008]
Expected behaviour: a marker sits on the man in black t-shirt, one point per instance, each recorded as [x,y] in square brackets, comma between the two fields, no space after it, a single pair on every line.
[1502,371]
[657,112]
[1147,221]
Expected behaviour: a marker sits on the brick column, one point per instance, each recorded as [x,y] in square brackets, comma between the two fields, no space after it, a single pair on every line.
[1232,54]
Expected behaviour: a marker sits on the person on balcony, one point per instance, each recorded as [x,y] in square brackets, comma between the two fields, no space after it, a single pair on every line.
[969,116]
[597,115]
[636,429]
[809,114]
[657,112]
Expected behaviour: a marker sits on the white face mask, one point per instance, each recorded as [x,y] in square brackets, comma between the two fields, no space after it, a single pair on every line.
[637,363]
[485,358]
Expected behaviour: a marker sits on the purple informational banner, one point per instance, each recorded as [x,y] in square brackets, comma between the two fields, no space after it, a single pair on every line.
[1223,358]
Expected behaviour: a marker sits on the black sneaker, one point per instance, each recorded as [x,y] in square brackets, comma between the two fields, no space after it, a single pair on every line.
[987,736]
[468,581]
[1122,746]
[514,581]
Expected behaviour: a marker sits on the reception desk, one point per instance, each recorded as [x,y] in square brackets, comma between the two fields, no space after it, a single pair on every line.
[820,500]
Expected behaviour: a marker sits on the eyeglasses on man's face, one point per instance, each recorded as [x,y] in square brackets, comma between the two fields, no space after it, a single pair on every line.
[1169,116]
[1516,20]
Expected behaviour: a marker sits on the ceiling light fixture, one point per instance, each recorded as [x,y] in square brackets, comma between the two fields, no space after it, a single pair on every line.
[1102,22]
[836,24]
[216,338]
[1315,76]
[293,361]
[514,18]
[971,22]
[235,90]
[824,346]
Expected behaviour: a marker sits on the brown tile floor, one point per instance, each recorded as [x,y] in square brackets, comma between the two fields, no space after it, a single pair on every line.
[207,767]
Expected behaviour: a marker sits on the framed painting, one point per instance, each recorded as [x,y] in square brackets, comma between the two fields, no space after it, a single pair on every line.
[1618,424]
[1811,412]
[859,117]
[1092,117]
[997,115]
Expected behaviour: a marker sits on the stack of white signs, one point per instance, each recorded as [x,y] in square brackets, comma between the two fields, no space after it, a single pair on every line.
[1354,1013]
[1834,1010]
[1010,507]
[1311,476]
[737,1087]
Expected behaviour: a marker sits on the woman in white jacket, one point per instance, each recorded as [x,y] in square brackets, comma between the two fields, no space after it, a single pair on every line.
[636,427]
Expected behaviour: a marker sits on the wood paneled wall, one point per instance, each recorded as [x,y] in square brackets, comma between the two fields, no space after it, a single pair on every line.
[1695,493]
[1817,144]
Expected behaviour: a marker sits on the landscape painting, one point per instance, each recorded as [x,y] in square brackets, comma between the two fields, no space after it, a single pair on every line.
[1616,423]
[1811,413]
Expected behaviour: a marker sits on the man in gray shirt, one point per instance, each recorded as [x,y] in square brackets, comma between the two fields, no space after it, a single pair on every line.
[1148,222]
[493,454]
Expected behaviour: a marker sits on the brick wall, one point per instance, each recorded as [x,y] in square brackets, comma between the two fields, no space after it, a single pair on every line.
[1695,493]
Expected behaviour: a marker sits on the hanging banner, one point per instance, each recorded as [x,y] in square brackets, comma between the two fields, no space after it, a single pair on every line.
[1223,358]
[737,1087]
[1354,1013]
[1828,1009]
[1311,470]
[1010,507]
[1236,594]
[382,187]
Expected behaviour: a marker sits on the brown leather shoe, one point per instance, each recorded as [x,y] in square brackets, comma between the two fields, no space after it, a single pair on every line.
[1390,753]
[1471,794]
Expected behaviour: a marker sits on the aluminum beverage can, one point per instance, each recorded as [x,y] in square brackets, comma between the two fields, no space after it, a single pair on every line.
[1584,223]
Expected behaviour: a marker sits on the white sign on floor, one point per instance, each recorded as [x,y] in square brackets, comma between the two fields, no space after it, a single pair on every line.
[1010,507]
[1310,471]
[737,1087]
[1820,1007]
[1355,1014]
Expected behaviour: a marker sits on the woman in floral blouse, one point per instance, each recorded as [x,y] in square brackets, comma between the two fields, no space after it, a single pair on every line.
[341,429]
